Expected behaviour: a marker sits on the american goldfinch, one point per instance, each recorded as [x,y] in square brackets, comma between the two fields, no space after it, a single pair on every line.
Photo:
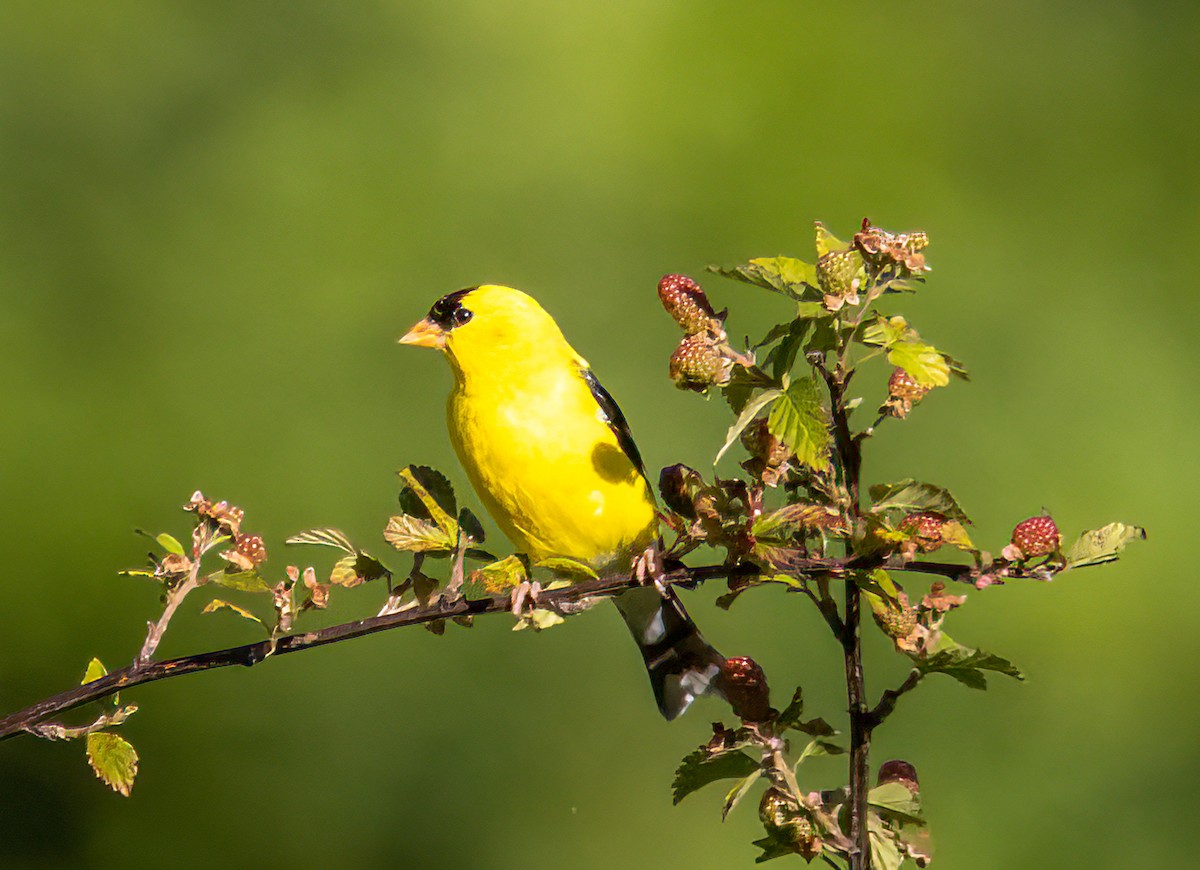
[551,457]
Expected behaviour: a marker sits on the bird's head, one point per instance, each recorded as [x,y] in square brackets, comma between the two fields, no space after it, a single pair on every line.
[487,325]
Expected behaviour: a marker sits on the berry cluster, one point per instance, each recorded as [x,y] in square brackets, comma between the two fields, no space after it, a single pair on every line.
[703,358]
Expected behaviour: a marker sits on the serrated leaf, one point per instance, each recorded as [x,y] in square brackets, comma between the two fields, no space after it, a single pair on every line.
[471,526]
[219,604]
[114,760]
[735,794]
[886,331]
[885,851]
[406,532]
[499,577]
[170,544]
[435,496]
[783,355]
[773,846]
[701,768]
[1097,546]
[781,274]
[827,241]
[749,412]
[799,420]
[913,495]
[923,362]
[564,565]
[242,581]
[964,664]
[323,537]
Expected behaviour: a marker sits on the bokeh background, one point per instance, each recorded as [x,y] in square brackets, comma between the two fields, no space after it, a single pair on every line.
[217,217]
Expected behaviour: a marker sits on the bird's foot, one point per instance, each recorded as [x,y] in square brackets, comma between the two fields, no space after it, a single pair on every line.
[648,569]
[523,592]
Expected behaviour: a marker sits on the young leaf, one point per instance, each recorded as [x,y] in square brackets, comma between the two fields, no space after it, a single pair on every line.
[827,241]
[926,365]
[913,495]
[784,275]
[407,532]
[538,619]
[113,759]
[885,851]
[168,543]
[95,670]
[965,664]
[799,420]
[218,604]
[1097,546]
[702,767]
[735,794]
[499,577]
[242,581]
[896,797]
[323,537]
[749,412]
[429,495]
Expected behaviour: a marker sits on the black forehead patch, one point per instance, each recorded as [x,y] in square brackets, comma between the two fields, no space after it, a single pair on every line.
[446,312]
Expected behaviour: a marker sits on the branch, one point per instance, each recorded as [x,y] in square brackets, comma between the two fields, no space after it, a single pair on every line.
[887,703]
[247,655]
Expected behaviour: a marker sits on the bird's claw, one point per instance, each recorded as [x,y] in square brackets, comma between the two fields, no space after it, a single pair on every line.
[525,591]
[648,569]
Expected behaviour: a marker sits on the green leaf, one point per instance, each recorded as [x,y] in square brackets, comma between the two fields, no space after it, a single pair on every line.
[896,798]
[113,759]
[827,241]
[799,420]
[924,362]
[538,619]
[913,495]
[218,604]
[774,845]
[702,767]
[471,526]
[885,851]
[571,567]
[499,577]
[735,794]
[790,715]
[817,748]
[784,275]
[323,537]
[95,670]
[1097,546]
[783,355]
[964,664]
[168,543]
[429,495]
[887,331]
[242,581]
[749,412]
[417,535]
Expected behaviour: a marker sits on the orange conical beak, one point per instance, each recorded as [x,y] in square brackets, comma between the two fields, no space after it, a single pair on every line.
[425,334]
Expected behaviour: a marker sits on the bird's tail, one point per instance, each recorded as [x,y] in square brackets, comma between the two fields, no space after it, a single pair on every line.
[680,662]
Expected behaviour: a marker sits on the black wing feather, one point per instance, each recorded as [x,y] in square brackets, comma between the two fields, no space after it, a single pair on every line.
[615,419]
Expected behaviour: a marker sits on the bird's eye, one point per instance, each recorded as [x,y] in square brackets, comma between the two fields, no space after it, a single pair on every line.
[462,315]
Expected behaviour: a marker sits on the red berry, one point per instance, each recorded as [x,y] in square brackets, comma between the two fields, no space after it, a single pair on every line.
[1036,536]
[686,302]
[898,771]
[252,548]
[744,686]
[902,385]
[925,528]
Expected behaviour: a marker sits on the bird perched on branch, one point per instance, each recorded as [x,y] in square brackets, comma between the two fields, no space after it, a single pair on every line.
[551,457]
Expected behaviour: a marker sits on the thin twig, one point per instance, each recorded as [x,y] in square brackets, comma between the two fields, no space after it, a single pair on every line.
[887,702]
[149,671]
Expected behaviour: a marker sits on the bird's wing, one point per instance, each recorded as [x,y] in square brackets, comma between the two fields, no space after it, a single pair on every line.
[615,420]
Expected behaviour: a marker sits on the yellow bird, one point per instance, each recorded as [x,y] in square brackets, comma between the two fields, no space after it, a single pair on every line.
[551,457]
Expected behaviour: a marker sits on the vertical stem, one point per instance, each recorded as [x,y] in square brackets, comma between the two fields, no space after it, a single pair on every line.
[860,733]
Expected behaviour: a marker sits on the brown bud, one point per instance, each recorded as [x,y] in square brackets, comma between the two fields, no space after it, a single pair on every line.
[898,771]
[744,686]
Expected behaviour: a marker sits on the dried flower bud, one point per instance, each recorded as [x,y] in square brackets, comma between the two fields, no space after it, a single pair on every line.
[744,686]
[781,817]
[898,771]
[1034,537]
[687,304]
[901,249]
[898,621]
[698,364]
[925,527]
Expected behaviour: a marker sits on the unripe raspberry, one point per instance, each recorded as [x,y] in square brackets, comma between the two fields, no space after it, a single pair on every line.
[781,816]
[837,272]
[902,385]
[925,527]
[761,444]
[1036,536]
[686,302]
[898,771]
[744,686]
[897,622]
[251,547]
[697,364]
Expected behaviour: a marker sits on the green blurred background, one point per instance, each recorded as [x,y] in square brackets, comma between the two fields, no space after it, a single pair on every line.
[217,217]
